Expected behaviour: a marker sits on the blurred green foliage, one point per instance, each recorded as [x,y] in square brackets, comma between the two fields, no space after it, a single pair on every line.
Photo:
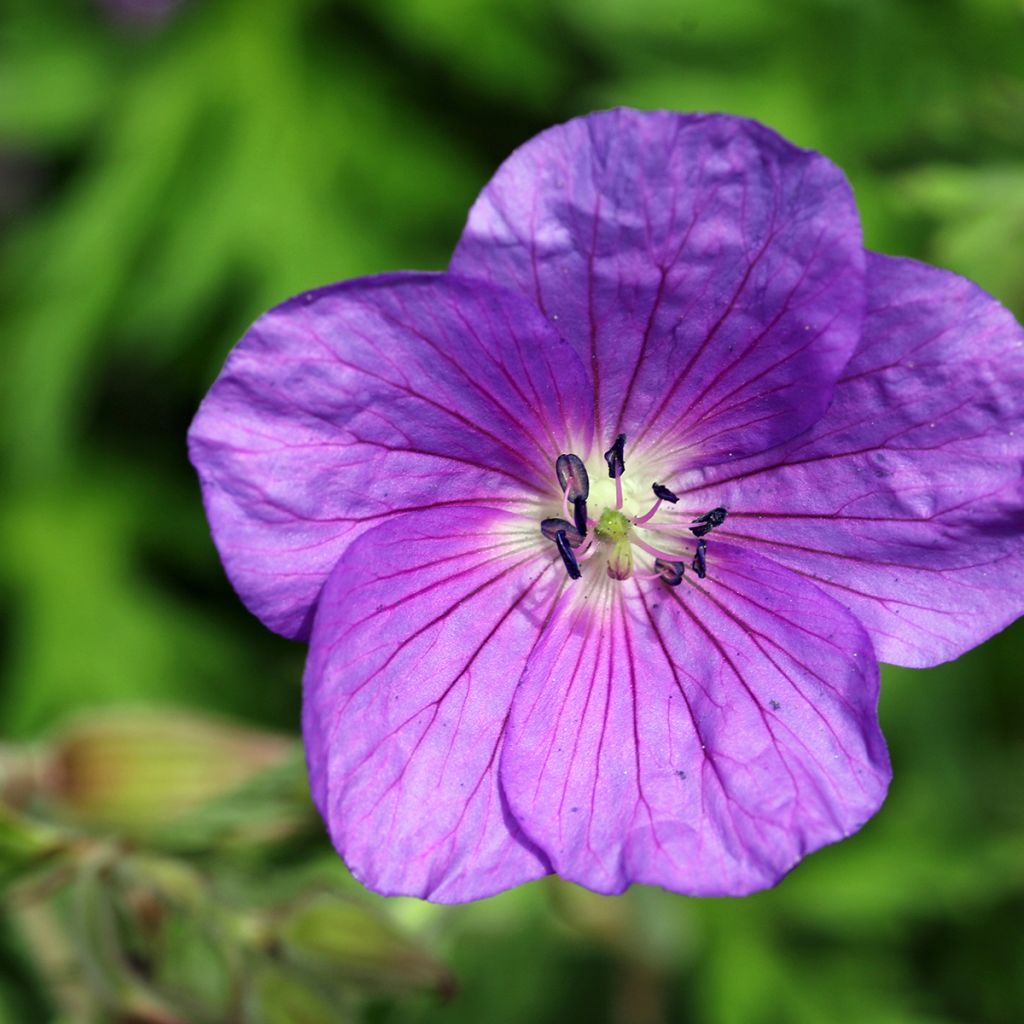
[165,179]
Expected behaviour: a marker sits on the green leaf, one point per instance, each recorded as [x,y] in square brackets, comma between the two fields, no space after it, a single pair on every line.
[25,844]
[278,997]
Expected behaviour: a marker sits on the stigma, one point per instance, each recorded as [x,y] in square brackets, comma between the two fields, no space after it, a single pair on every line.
[630,538]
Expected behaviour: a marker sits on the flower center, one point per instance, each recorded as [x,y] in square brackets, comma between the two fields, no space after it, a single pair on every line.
[614,540]
[613,528]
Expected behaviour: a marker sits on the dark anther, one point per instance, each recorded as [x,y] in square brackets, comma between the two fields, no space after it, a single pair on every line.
[671,572]
[616,458]
[552,527]
[708,521]
[661,491]
[579,515]
[700,559]
[572,474]
[568,558]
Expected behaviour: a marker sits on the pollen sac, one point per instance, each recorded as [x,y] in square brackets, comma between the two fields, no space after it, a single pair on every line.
[707,522]
[671,572]
[700,559]
[579,515]
[616,458]
[552,527]
[572,477]
[572,567]
[661,491]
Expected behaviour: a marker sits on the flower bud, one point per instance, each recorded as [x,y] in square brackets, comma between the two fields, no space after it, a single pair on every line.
[331,936]
[137,771]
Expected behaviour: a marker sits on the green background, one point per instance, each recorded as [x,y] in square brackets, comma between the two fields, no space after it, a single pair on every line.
[165,180]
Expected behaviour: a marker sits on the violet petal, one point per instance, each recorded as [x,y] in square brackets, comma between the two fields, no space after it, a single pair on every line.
[905,502]
[419,639]
[702,738]
[711,270]
[361,400]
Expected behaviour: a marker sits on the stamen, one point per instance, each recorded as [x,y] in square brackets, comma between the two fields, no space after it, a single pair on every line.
[670,572]
[700,559]
[708,521]
[565,502]
[648,515]
[668,556]
[568,558]
[587,550]
[552,527]
[572,477]
[615,457]
[662,493]
[579,509]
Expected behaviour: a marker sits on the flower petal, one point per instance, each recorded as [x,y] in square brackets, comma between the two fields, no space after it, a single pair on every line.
[419,639]
[906,502]
[703,738]
[368,398]
[709,272]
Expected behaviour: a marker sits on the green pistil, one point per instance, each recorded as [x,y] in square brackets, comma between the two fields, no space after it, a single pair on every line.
[614,527]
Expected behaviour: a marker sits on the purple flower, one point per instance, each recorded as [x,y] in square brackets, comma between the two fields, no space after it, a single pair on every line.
[599,537]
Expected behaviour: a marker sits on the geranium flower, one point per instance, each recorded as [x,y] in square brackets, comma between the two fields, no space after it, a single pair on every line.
[599,537]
